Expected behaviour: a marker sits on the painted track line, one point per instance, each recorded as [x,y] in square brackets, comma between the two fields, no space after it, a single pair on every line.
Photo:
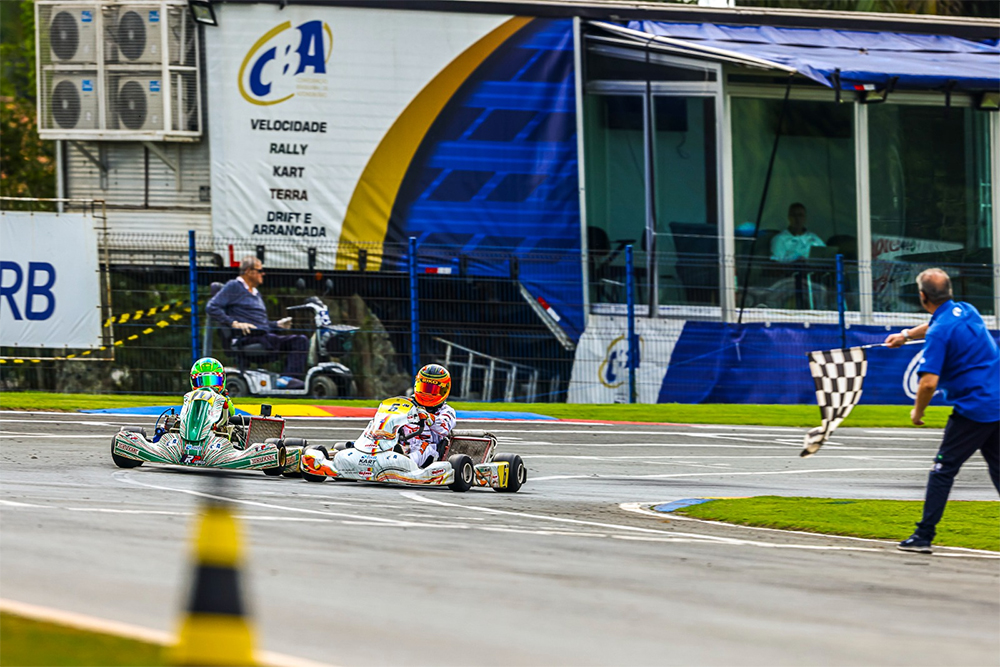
[643,508]
[129,631]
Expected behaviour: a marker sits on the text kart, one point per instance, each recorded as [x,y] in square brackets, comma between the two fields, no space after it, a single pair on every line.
[378,455]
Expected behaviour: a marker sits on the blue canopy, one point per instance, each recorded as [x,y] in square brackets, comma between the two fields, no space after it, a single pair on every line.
[919,61]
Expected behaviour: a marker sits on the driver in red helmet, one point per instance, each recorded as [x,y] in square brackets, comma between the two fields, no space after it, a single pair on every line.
[430,390]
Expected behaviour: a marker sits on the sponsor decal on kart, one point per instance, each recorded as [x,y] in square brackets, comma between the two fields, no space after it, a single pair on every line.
[257,460]
[122,447]
[366,462]
[502,475]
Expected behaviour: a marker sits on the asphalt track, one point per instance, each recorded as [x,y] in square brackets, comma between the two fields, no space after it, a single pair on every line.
[572,570]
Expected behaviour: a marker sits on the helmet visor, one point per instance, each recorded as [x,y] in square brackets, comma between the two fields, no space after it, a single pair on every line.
[207,380]
[421,387]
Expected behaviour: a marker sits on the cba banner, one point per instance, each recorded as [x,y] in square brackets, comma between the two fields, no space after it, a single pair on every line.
[49,281]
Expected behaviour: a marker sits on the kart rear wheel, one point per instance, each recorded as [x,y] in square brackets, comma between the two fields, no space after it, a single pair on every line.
[295,442]
[464,473]
[124,461]
[518,473]
[272,472]
[309,477]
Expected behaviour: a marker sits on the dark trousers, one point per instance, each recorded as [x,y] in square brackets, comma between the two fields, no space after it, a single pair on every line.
[962,437]
[293,346]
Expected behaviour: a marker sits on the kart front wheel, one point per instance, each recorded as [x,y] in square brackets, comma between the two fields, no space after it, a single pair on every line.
[309,477]
[464,473]
[518,473]
[124,461]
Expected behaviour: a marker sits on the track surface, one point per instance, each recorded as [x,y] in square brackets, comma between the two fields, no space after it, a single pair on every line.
[560,573]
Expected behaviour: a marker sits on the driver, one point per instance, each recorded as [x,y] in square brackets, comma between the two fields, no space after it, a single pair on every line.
[208,373]
[430,390]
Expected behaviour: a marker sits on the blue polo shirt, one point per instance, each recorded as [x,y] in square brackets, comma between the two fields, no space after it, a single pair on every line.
[962,352]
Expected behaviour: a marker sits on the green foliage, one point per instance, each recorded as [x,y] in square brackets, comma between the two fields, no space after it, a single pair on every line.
[28,642]
[27,164]
[969,524]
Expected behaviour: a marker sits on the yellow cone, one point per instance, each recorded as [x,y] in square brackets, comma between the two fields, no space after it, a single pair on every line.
[215,629]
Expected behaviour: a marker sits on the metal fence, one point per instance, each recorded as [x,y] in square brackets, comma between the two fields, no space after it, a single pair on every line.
[483,314]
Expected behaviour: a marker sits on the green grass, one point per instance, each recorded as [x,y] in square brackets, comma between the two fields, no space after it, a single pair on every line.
[27,642]
[757,415]
[970,524]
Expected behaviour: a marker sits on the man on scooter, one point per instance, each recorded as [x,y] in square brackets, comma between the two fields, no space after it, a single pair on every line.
[430,391]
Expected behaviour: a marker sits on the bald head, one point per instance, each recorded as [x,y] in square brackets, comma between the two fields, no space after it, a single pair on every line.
[936,286]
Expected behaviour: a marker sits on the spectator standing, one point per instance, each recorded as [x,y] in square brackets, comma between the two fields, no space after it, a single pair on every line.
[961,356]
[239,306]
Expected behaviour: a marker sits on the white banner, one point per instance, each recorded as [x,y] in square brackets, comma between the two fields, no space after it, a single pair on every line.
[302,97]
[49,281]
[600,366]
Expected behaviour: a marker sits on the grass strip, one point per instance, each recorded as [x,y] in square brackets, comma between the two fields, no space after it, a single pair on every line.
[26,642]
[753,415]
[967,523]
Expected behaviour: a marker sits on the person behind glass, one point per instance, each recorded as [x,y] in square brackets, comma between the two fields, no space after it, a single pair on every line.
[961,357]
[791,246]
[240,306]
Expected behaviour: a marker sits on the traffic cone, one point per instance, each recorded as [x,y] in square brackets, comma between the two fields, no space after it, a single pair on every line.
[215,629]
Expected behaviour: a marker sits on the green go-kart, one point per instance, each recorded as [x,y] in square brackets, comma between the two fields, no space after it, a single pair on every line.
[193,439]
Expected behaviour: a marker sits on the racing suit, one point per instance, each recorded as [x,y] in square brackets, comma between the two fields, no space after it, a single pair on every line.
[423,448]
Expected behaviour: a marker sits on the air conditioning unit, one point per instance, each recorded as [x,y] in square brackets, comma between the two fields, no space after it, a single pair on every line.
[137,103]
[136,37]
[72,104]
[72,31]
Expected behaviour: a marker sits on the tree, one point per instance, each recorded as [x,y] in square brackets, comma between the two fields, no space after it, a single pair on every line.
[27,164]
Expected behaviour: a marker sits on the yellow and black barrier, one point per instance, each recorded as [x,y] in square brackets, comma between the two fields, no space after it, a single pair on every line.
[124,318]
[214,629]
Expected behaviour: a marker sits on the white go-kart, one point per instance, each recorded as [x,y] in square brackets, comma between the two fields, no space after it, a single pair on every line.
[379,455]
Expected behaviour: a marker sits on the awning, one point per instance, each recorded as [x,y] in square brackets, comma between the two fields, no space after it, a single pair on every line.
[925,62]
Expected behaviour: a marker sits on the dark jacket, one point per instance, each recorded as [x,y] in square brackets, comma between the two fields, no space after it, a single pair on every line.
[235,302]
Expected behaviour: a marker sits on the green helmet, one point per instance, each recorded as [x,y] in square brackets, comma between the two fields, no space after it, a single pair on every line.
[208,372]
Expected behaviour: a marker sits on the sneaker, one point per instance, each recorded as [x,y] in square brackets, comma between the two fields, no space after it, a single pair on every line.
[287,382]
[915,544]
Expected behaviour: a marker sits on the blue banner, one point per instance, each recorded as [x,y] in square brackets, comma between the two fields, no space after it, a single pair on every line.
[714,362]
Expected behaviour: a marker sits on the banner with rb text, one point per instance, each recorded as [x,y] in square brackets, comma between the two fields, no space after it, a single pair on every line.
[49,281]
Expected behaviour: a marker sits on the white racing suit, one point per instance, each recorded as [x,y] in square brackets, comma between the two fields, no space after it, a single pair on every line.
[423,448]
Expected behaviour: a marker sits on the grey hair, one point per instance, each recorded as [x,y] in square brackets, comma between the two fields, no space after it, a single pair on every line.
[248,263]
[935,284]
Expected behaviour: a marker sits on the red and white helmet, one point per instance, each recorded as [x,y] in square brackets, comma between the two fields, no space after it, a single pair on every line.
[432,386]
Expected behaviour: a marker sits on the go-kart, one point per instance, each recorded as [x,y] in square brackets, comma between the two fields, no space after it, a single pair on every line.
[189,439]
[378,455]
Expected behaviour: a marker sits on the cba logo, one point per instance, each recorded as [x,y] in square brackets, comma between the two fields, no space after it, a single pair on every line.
[613,371]
[271,69]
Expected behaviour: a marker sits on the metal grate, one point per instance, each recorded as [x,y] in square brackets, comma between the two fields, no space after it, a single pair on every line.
[262,428]
[479,449]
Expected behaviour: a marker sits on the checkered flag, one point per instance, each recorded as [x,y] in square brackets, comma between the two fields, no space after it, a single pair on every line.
[839,375]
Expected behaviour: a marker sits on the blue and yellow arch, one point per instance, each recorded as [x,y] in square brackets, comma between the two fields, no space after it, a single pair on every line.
[484,159]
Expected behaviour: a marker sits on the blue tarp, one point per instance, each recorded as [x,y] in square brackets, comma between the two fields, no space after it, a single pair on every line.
[920,61]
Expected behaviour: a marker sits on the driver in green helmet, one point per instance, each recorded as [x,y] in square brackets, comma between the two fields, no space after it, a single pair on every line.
[208,373]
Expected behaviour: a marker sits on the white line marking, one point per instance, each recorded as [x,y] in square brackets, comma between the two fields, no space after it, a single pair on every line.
[724,473]
[60,436]
[14,503]
[127,630]
[642,508]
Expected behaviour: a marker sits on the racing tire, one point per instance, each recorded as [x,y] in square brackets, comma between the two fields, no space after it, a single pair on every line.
[237,387]
[309,477]
[323,387]
[465,473]
[295,442]
[518,473]
[272,472]
[124,461]
[275,471]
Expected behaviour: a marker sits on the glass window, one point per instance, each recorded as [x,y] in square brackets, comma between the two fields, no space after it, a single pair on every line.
[810,213]
[930,202]
[686,198]
[615,182]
